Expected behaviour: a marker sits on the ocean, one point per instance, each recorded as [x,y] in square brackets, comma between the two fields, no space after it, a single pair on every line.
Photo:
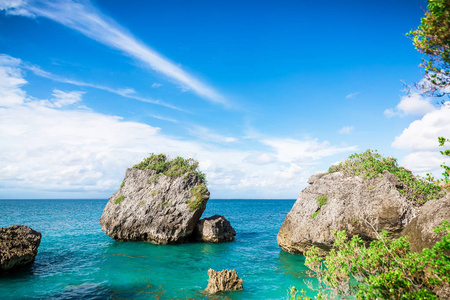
[76,260]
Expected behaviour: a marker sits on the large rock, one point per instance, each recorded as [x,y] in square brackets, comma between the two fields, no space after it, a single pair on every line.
[420,229]
[154,207]
[215,229]
[18,246]
[359,206]
[225,280]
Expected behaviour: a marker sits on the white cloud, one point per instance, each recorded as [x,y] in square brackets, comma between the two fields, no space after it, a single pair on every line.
[210,135]
[421,140]
[352,95]
[156,85]
[306,152]
[414,105]
[51,148]
[92,23]
[11,81]
[346,130]
[125,92]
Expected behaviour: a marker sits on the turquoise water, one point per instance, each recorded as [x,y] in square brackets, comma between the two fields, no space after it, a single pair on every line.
[77,260]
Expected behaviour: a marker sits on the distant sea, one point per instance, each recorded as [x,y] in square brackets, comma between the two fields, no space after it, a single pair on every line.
[76,260]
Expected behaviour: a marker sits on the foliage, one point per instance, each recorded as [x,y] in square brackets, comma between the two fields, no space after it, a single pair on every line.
[371,165]
[174,168]
[322,200]
[386,269]
[121,185]
[119,199]
[446,168]
[197,197]
[432,38]
[315,214]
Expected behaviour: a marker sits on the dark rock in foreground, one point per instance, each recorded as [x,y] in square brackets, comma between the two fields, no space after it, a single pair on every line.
[224,280]
[153,207]
[215,229]
[335,202]
[420,229]
[18,246]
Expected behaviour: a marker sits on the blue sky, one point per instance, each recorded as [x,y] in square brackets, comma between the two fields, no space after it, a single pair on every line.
[263,94]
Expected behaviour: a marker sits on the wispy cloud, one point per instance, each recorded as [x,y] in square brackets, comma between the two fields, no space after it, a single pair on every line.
[346,130]
[413,104]
[352,95]
[92,23]
[125,92]
[210,135]
[164,118]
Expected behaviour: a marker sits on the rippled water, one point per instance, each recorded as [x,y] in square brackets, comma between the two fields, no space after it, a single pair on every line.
[77,260]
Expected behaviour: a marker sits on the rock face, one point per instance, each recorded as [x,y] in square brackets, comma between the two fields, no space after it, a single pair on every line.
[224,280]
[215,229]
[420,229]
[335,202]
[18,246]
[154,207]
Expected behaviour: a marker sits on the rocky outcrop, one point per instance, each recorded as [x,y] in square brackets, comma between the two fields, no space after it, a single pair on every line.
[336,202]
[224,280]
[215,229]
[18,246]
[420,229]
[153,207]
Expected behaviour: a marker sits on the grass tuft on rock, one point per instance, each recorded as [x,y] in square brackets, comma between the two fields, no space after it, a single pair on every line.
[119,199]
[370,165]
[174,168]
[197,196]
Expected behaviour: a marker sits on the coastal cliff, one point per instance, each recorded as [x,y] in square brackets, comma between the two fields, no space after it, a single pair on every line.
[364,195]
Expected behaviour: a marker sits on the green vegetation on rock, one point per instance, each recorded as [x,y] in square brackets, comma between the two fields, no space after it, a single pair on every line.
[119,199]
[321,200]
[371,165]
[173,168]
[386,269]
[197,196]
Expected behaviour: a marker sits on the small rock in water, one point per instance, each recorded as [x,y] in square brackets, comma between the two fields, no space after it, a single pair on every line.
[224,280]
[18,246]
[215,229]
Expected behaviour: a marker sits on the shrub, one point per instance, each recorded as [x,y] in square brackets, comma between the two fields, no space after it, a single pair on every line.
[177,167]
[371,165]
[386,269]
[197,195]
[322,200]
[119,199]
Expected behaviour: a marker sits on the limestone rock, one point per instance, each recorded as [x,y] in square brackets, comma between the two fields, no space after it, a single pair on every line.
[313,178]
[349,203]
[215,229]
[154,207]
[420,229]
[18,246]
[224,280]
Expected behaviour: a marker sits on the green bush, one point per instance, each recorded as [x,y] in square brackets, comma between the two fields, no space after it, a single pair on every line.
[386,269]
[370,165]
[119,199]
[322,200]
[173,168]
[197,196]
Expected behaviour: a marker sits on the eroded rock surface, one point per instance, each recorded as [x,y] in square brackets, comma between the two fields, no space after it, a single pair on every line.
[420,229]
[18,246]
[224,280]
[359,206]
[154,207]
[215,229]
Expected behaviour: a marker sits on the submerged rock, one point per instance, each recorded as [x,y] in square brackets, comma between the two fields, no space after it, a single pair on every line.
[215,229]
[337,202]
[420,229]
[18,246]
[224,280]
[160,201]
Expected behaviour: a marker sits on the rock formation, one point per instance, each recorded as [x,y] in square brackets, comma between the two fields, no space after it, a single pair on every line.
[159,201]
[420,229]
[215,229]
[335,202]
[224,280]
[18,246]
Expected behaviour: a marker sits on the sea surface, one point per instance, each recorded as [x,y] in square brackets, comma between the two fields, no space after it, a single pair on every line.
[76,260]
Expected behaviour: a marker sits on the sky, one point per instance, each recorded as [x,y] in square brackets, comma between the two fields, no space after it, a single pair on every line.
[263,94]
